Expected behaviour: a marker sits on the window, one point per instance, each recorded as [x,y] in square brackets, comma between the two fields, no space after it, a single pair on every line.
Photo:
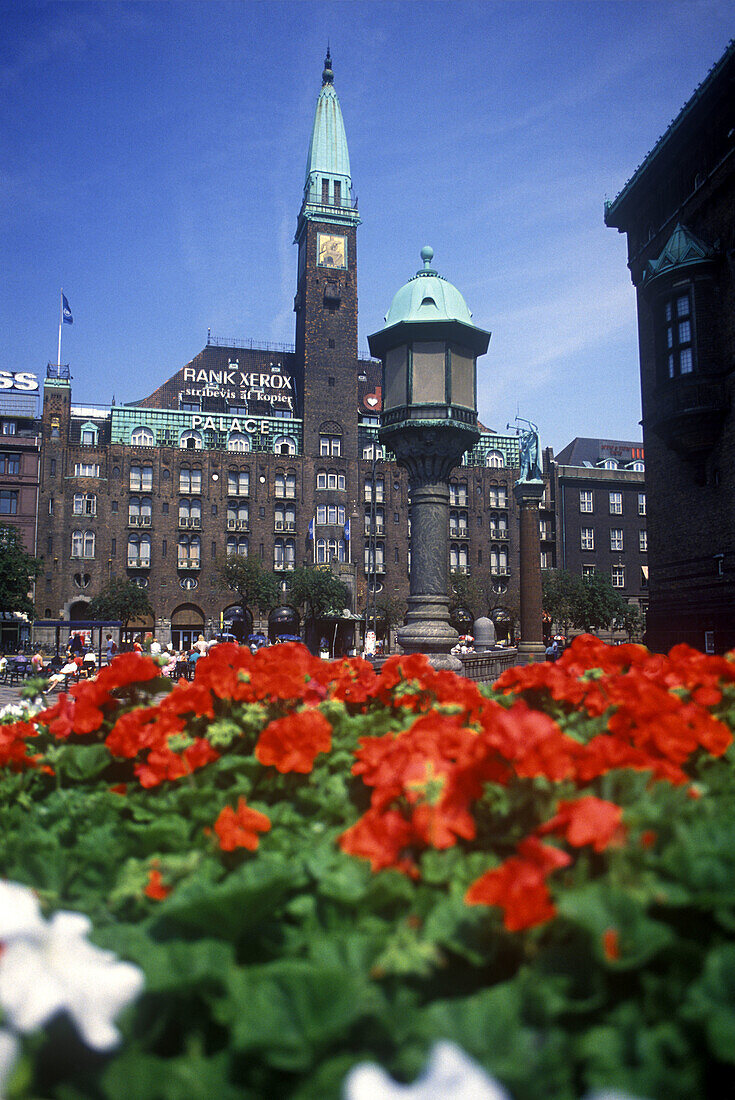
[458,557]
[85,504]
[379,521]
[52,468]
[8,502]
[373,448]
[139,511]
[609,464]
[641,504]
[587,538]
[190,513]
[285,517]
[9,464]
[458,494]
[616,538]
[141,479]
[238,517]
[88,435]
[51,506]
[190,479]
[82,544]
[238,483]
[638,467]
[643,541]
[8,427]
[285,485]
[86,469]
[379,490]
[189,551]
[142,437]
[238,546]
[545,529]
[677,332]
[284,554]
[618,576]
[330,445]
[547,559]
[139,551]
[379,560]
[495,460]
[284,445]
[328,550]
[588,571]
[191,440]
[616,504]
[458,525]
[498,560]
[238,441]
[586,500]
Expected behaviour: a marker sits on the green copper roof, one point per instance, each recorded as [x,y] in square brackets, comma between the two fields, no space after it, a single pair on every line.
[328,156]
[682,249]
[428,297]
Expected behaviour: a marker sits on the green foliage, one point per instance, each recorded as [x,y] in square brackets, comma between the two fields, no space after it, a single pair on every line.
[18,571]
[317,590]
[120,599]
[256,587]
[270,973]
[589,603]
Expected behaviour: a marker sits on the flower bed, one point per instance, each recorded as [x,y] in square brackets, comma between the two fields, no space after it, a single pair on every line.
[314,865]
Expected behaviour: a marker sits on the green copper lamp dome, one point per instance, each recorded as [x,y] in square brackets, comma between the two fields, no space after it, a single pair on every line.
[428,296]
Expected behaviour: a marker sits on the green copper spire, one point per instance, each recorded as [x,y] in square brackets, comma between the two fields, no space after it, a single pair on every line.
[328,185]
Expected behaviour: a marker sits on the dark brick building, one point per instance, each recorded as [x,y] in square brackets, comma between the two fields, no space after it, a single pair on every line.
[678,211]
[262,450]
[600,506]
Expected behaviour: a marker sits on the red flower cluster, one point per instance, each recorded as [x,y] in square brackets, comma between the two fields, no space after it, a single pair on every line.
[239,828]
[519,887]
[13,747]
[290,744]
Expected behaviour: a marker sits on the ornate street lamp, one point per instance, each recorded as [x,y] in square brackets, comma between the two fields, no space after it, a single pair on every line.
[429,349]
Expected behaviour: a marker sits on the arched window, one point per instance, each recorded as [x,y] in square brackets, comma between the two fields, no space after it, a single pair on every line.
[191,440]
[608,464]
[189,551]
[238,517]
[284,445]
[141,479]
[238,441]
[139,552]
[190,513]
[142,437]
[238,483]
[237,546]
[638,466]
[190,479]
[82,544]
[495,459]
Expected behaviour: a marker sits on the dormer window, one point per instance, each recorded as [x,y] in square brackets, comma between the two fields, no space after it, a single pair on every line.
[88,435]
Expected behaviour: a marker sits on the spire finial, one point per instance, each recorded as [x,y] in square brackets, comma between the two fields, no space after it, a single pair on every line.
[427,255]
[328,74]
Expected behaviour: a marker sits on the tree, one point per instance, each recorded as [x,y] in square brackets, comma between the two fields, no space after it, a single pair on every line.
[255,586]
[18,571]
[598,604]
[391,611]
[561,596]
[630,619]
[317,591]
[120,599]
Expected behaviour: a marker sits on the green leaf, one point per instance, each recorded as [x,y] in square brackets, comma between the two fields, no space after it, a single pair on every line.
[711,1002]
[600,909]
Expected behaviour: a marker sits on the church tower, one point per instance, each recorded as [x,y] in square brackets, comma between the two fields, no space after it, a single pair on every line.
[326,296]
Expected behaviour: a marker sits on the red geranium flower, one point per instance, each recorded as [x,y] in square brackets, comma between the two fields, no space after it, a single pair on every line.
[290,744]
[156,888]
[586,821]
[239,828]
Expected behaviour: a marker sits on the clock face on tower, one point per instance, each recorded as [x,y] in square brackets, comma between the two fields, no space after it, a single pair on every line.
[331,250]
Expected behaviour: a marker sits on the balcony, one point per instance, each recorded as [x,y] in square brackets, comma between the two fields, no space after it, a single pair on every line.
[465,569]
[139,521]
[283,566]
[500,571]
[287,525]
[378,569]
[139,563]
[238,525]
[499,533]
[379,529]
[194,522]
[189,563]
[459,533]
[687,412]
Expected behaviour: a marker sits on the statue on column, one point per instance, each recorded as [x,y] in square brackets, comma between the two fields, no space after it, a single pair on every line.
[530,451]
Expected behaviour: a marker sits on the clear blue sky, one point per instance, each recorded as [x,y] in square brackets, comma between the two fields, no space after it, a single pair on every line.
[153,155]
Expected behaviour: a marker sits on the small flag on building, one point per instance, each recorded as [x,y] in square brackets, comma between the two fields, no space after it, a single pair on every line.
[66,311]
[311,529]
[347,531]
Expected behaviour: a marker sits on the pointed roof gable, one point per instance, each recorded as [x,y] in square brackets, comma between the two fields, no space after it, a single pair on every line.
[682,249]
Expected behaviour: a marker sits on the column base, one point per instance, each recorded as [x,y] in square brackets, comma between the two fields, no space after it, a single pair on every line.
[434,639]
[531,652]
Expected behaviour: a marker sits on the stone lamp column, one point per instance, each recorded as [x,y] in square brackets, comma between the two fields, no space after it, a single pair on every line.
[528,491]
[428,349]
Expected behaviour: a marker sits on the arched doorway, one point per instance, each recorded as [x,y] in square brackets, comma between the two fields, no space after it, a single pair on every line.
[78,611]
[187,623]
[139,627]
[237,620]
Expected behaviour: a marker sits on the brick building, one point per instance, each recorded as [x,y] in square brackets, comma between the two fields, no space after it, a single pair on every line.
[262,450]
[678,211]
[600,506]
[19,458]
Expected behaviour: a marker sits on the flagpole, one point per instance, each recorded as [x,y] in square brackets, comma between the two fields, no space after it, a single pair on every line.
[61,322]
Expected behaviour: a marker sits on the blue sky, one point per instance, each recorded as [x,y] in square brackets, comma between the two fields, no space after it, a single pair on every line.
[153,157]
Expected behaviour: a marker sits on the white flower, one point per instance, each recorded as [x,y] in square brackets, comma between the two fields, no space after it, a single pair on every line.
[8,1057]
[47,967]
[449,1074]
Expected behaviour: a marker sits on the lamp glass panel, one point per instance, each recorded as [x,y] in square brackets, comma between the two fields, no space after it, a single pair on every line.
[429,383]
[463,378]
[395,378]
